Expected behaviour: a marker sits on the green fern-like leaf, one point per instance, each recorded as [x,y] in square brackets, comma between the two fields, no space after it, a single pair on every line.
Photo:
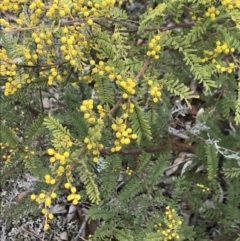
[55,126]
[212,161]
[175,8]
[79,124]
[198,30]
[180,90]
[58,131]
[232,172]
[119,13]
[108,177]
[105,92]
[9,42]
[144,158]
[122,235]
[97,214]
[140,124]
[157,169]
[35,128]
[153,237]
[149,17]
[102,232]
[237,111]
[8,136]
[131,188]
[90,185]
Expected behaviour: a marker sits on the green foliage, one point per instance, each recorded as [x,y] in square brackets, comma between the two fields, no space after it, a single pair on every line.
[7,135]
[232,173]
[140,124]
[212,161]
[180,90]
[90,185]
[143,125]
[34,129]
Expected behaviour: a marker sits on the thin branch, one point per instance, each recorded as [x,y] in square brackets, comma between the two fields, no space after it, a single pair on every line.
[170,144]
[142,71]
[83,226]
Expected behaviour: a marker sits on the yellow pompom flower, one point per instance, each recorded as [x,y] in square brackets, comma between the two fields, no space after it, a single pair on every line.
[46,226]
[47,201]
[33,197]
[50,151]
[67,185]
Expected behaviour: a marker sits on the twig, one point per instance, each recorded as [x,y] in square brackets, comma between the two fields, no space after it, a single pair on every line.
[174,145]
[31,233]
[142,71]
[81,229]
[11,169]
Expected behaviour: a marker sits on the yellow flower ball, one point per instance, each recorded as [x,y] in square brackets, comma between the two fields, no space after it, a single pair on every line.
[90,22]
[70,197]
[44,211]
[33,197]
[73,190]
[75,202]
[47,201]
[42,195]
[53,181]
[67,185]
[53,195]
[46,226]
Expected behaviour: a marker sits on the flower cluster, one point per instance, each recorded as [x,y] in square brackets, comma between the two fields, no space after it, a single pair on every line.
[9,69]
[73,197]
[10,5]
[5,152]
[129,171]
[28,153]
[221,48]
[49,179]
[54,75]
[3,22]
[231,4]
[46,199]
[154,47]
[95,147]
[101,111]
[123,134]
[172,222]
[72,42]
[155,90]
[87,107]
[226,68]
[58,9]
[204,189]
[62,161]
[56,156]
[128,87]
[101,69]
[108,3]
[193,16]
[212,12]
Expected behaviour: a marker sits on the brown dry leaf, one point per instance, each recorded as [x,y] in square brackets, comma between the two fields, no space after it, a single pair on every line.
[173,168]
[193,110]
[20,196]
